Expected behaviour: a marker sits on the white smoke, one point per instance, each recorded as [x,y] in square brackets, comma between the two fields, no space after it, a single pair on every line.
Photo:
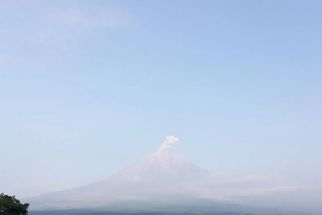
[167,143]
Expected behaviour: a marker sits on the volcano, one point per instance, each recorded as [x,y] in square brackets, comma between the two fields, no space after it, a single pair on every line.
[161,177]
[162,181]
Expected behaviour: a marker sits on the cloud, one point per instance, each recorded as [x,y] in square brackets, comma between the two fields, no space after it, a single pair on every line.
[36,34]
[43,23]
[89,18]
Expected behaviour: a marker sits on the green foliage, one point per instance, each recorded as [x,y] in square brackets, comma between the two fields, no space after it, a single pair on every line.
[9,205]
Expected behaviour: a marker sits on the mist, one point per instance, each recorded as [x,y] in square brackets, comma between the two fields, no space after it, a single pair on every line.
[196,106]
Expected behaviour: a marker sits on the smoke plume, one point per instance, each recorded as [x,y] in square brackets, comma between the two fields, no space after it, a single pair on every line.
[167,143]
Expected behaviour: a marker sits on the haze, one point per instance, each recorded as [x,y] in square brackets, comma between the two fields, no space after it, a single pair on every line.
[89,87]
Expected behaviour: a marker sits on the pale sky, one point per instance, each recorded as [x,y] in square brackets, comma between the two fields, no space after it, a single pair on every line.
[88,87]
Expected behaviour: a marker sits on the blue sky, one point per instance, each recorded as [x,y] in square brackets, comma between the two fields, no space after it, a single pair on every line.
[88,87]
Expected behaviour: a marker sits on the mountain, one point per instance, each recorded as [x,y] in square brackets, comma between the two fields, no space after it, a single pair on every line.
[165,182]
[161,178]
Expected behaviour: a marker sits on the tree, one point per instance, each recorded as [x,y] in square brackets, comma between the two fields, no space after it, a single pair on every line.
[9,205]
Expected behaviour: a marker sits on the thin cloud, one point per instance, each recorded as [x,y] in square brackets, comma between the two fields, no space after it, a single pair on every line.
[94,18]
[35,33]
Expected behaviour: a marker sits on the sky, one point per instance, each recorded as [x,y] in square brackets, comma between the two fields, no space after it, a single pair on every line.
[89,87]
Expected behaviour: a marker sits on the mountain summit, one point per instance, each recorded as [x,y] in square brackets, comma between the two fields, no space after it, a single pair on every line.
[162,166]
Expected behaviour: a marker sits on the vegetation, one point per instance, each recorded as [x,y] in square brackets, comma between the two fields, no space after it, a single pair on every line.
[9,205]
